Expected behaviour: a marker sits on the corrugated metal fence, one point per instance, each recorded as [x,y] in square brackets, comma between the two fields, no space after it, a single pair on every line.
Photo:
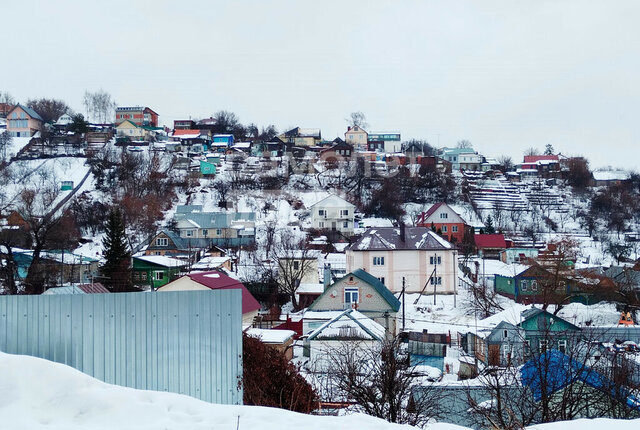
[187,342]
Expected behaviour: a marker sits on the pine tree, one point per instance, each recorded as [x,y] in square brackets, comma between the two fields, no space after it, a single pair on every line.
[115,270]
[489,229]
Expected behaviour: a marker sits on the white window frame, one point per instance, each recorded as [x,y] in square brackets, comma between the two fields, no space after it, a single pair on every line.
[158,275]
[444,215]
[378,261]
[454,228]
[162,242]
[350,293]
[562,346]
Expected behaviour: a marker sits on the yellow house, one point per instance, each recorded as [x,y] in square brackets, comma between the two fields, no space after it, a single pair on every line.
[131,130]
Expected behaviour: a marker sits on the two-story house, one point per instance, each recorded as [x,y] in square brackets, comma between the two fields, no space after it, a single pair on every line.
[333,213]
[357,137]
[384,141]
[462,158]
[445,221]
[414,256]
[139,115]
[22,121]
[220,228]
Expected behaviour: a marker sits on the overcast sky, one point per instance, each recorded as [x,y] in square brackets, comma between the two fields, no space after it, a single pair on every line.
[505,75]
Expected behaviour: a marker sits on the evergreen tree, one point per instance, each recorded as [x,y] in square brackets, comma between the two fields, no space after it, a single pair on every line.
[548,150]
[115,270]
[488,225]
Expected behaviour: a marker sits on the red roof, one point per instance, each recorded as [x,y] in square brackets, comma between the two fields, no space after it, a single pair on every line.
[490,241]
[432,209]
[95,288]
[219,281]
[536,158]
[183,132]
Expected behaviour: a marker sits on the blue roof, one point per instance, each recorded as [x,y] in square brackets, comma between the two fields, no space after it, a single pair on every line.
[562,371]
[29,111]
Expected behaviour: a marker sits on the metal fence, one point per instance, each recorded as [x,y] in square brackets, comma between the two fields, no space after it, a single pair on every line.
[187,342]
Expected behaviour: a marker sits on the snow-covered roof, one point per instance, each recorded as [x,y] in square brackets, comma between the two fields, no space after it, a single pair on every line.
[272,335]
[349,324]
[162,260]
[610,175]
[392,239]
[333,201]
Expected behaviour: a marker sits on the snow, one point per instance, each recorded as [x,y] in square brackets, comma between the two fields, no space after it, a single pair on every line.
[610,175]
[271,336]
[162,260]
[40,394]
[440,240]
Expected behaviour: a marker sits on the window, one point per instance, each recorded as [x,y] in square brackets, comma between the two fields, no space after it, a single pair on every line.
[435,260]
[143,276]
[524,285]
[534,285]
[504,333]
[296,265]
[345,224]
[162,241]
[381,279]
[351,295]
[436,280]
[444,215]
[321,224]
[158,275]
[444,228]
[322,212]
[189,233]
[219,231]
[378,261]
[205,232]
[562,346]
[344,212]
[454,228]
[543,344]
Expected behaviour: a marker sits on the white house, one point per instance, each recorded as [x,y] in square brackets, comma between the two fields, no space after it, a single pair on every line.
[357,137]
[333,213]
[64,120]
[425,261]
[347,332]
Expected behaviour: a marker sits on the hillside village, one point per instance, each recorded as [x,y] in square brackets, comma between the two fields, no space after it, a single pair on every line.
[493,284]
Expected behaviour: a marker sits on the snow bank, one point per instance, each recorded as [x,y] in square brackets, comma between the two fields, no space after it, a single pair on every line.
[39,394]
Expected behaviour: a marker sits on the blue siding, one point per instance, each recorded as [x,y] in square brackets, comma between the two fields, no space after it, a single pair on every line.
[187,342]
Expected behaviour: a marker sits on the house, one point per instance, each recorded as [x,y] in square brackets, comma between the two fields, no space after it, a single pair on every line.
[63,121]
[603,178]
[281,340]
[490,245]
[432,163]
[216,281]
[221,142]
[384,141]
[333,213]
[462,158]
[132,131]
[139,115]
[5,108]
[340,151]
[415,257]
[221,228]
[541,163]
[305,137]
[357,137]
[156,270]
[169,243]
[364,292]
[536,284]
[347,330]
[211,262]
[445,221]
[518,255]
[207,168]
[59,267]
[22,121]
[184,124]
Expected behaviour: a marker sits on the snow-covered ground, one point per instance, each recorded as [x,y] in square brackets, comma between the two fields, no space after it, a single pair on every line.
[39,394]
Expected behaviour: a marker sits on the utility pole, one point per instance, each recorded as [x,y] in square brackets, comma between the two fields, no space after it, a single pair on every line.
[435,277]
[403,288]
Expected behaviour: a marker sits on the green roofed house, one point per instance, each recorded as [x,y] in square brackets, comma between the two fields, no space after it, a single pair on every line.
[156,270]
[362,291]
[207,168]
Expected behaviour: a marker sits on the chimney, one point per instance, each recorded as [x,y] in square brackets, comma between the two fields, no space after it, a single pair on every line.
[327,276]
[349,128]
[402,230]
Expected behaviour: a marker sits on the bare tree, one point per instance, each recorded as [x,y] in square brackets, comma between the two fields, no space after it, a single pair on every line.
[505,163]
[464,143]
[532,151]
[49,109]
[5,141]
[295,261]
[99,106]
[380,381]
[357,119]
